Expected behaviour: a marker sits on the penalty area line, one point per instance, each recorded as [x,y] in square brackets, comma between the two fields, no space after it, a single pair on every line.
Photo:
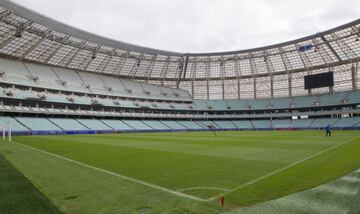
[280,170]
[202,188]
[153,186]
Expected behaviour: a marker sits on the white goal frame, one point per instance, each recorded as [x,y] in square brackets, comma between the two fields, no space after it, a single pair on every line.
[6,129]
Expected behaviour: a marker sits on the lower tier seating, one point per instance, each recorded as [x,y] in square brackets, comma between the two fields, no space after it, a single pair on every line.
[68,124]
[38,124]
[191,124]
[27,124]
[94,124]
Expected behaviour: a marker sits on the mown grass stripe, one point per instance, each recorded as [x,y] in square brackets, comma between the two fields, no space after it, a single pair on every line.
[19,195]
[281,169]
[180,194]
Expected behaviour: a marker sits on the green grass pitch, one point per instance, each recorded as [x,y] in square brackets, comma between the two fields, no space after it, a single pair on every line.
[18,195]
[179,172]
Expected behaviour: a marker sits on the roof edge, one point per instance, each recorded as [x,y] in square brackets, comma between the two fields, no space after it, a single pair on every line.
[78,33]
[316,35]
[82,34]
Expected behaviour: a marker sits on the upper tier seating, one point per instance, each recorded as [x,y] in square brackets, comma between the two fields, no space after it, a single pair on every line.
[237,104]
[93,82]
[35,75]
[259,104]
[201,105]
[353,97]
[304,101]
[281,103]
[217,104]
[30,74]
[45,74]
[15,72]
[70,79]
[331,99]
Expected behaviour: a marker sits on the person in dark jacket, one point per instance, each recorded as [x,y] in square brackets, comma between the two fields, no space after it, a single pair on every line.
[328,131]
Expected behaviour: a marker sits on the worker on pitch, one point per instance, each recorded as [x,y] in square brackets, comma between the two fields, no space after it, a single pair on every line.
[328,130]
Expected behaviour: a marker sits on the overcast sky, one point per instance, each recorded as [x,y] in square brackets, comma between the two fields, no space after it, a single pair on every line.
[200,25]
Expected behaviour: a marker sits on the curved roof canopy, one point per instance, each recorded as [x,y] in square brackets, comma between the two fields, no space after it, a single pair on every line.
[28,35]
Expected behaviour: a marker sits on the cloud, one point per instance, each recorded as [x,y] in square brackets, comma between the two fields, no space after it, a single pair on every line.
[200,25]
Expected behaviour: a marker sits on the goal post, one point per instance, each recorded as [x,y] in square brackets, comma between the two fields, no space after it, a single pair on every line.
[6,130]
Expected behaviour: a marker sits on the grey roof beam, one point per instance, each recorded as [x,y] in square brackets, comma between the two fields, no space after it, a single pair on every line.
[331,48]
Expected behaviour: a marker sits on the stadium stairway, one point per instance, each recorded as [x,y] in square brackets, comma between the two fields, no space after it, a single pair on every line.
[252,124]
[83,124]
[117,125]
[181,124]
[312,122]
[52,122]
[68,124]
[200,124]
[191,125]
[37,124]
[336,197]
[347,122]
[138,125]
[173,125]
[165,124]
[155,124]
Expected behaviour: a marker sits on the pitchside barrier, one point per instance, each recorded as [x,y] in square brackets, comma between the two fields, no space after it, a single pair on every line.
[70,132]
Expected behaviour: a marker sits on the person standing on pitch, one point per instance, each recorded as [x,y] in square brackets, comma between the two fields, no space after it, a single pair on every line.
[328,130]
[213,128]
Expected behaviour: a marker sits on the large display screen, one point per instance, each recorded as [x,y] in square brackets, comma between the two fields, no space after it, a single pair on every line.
[319,80]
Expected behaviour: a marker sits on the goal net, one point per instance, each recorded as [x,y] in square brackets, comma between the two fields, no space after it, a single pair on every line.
[5,128]
[283,127]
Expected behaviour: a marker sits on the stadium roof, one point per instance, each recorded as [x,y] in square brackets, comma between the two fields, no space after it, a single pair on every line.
[28,35]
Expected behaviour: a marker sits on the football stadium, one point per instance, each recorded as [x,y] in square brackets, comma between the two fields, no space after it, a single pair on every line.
[94,125]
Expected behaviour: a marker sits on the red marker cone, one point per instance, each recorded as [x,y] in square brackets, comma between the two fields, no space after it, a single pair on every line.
[222,199]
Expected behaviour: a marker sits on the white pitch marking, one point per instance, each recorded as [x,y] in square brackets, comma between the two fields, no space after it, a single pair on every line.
[195,188]
[118,175]
[280,170]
